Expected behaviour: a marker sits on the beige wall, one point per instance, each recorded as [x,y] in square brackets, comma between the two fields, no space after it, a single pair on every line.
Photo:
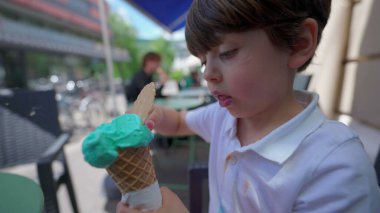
[361,88]
[366,100]
[327,64]
[351,88]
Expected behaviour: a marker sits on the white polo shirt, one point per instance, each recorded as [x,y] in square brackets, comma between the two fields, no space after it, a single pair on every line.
[308,164]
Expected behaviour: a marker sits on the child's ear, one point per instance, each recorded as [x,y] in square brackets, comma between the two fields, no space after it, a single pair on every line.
[305,44]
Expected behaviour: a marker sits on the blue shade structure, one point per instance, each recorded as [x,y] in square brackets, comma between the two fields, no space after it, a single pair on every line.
[169,14]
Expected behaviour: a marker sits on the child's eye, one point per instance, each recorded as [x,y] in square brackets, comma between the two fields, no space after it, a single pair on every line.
[228,54]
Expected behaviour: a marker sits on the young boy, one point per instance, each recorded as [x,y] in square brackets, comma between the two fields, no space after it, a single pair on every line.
[271,148]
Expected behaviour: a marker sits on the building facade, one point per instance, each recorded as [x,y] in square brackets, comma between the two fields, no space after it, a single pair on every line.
[59,27]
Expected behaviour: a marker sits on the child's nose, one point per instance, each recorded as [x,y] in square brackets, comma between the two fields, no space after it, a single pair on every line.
[212,74]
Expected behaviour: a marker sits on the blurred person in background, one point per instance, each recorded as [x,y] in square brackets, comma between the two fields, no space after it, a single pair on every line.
[151,64]
[192,80]
[195,78]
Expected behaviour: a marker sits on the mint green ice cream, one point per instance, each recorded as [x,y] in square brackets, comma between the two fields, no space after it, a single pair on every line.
[125,131]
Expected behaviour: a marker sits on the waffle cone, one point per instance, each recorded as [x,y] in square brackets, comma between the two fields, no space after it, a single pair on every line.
[133,169]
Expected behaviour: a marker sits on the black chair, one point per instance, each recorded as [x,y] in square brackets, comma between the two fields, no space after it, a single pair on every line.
[30,133]
[377,167]
[198,172]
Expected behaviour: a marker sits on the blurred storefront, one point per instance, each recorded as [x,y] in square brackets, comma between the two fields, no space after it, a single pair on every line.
[65,28]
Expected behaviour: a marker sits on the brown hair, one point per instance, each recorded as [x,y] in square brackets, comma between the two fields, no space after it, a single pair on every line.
[209,20]
[150,56]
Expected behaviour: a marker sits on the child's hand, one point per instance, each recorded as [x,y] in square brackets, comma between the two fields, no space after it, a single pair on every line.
[167,121]
[170,204]
[154,117]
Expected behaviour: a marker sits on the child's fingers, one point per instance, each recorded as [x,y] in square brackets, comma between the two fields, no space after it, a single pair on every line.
[168,195]
[120,207]
[123,208]
[171,202]
[154,117]
[149,124]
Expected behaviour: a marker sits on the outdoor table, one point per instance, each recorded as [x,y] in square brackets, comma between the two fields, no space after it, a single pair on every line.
[183,103]
[180,103]
[20,194]
[194,92]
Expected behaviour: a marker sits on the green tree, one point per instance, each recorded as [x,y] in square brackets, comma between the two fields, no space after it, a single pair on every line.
[124,36]
[164,47]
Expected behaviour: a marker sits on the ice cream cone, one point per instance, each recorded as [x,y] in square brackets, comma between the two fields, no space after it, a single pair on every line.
[133,170]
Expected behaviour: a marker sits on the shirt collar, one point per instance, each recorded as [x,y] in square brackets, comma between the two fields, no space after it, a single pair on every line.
[282,142]
[230,125]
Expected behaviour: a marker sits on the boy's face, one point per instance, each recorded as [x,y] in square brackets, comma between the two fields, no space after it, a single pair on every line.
[247,74]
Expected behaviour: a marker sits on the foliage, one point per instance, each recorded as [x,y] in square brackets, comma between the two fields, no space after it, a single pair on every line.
[164,47]
[124,36]
[42,64]
[177,75]
[36,62]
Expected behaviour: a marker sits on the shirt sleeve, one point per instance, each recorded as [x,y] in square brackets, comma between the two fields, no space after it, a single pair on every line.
[341,183]
[202,121]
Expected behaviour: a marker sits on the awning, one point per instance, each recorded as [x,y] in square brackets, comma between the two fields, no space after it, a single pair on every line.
[169,14]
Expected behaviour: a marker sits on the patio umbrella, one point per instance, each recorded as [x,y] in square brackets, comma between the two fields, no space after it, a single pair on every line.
[169,14]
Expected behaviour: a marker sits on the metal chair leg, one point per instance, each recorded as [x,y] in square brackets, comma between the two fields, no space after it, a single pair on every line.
[198,173]
[69,185]
[49,188]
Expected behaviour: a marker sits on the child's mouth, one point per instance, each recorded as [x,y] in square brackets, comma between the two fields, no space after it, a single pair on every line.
[224,100]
